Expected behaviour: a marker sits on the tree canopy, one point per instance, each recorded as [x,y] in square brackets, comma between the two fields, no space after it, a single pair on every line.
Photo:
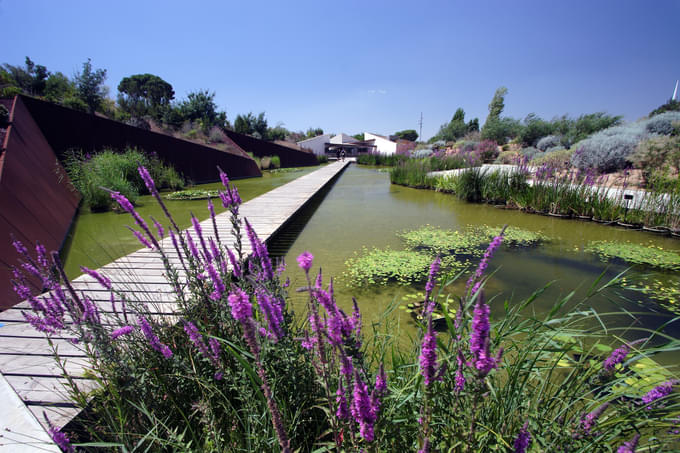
[250,124]
[145,94]
[407,134]
[200,106]
[90,86]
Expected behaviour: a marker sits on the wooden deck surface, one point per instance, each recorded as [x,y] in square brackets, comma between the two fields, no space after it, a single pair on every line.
[31,381]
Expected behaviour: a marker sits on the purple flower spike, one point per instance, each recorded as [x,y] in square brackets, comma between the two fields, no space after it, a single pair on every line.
[154,342]
[363,409]
[484,263]
[479,338]
[121,331]
[305,261]
[343,411]
[58,437]
[241,308]
[590,419]
[434,270]
[630,446]
[381,380]
[460,377]
[523,439]
[659,392]
[217,282]
[616,357]
[148,181]
[428,354]
[104,281]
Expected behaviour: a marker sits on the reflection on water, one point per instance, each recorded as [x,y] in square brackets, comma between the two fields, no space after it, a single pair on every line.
[362,209]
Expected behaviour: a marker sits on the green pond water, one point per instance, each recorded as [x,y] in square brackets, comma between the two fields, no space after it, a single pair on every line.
[362,209]
[97,239]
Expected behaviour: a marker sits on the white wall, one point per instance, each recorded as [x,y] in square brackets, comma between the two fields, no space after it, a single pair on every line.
[316,144]
[383,145]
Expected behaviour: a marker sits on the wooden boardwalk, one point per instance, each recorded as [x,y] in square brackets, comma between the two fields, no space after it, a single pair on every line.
[31,382]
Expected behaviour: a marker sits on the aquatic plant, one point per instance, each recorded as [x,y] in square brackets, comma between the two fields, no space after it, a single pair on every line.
[444,242]
[192,194]
[648,255]
[376,266]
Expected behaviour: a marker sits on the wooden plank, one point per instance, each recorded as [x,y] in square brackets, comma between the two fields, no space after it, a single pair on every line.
[46,390]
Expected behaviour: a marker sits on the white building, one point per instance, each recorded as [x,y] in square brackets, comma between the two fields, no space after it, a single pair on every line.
[384,145]
[316,144]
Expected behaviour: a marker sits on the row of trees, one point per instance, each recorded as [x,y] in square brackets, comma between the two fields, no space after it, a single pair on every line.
[141,98]
[528,131]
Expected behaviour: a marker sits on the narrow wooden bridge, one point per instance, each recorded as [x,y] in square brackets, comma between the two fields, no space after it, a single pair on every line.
[32,383]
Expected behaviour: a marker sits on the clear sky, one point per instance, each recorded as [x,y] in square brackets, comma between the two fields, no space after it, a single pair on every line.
[354,66]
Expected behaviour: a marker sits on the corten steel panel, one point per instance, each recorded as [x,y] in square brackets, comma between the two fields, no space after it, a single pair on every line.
[37,201]
[66,129]
[260,148]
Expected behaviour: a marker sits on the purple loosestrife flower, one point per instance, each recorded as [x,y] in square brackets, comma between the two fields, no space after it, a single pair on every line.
[460,377]
[196,338]
[630,446]
[159,228]
[616,357]
[59,438]
[428,354]
[260,252]
[41,256]
[281,268]
[272,312]
[235,266]
[484,263]
[305,260]
[343,411]
[148,181]
[241,308]
[217,282]
[432,277]
[363,409]
[381,380]
[154,342]
[144,241]
[121,331]
[589,421]
[199,234]
[523,439]
[104,281]
[346,366]
[658,392]
[192,247]
[479,339]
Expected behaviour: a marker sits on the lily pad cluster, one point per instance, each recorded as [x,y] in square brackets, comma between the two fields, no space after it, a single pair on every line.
[648,255]
[377,266]
[192,194]
[456,249]
[666,293]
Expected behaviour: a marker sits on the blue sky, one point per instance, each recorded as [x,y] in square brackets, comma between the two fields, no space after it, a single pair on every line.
[355,66]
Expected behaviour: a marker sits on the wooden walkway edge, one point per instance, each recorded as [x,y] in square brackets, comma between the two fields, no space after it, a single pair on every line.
[31,382]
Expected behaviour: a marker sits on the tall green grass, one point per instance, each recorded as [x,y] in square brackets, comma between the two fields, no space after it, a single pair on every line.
[90,173]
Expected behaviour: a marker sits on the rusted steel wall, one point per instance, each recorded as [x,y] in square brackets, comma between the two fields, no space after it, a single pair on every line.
[260,148]
[37,201]
[66,129]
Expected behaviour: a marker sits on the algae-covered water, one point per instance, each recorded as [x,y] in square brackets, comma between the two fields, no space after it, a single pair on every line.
[97,239]
[362,210]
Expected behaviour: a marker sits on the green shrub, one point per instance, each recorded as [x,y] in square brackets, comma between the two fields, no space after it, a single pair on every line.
[657,157]
[322,158]
[507,158]
[276,162]
[118,172]
[556,159]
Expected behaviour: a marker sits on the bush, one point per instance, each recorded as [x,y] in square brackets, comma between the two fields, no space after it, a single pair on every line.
[276,162]
[118,172]
[529,153]
[662,124]
[422,153]
[487,150]
[323,158]
[507,158]
[215,135]
[265,162]
[609,150]
[657,157]
[560,158]
[549,141]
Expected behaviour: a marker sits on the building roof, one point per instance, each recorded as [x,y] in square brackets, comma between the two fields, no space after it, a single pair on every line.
[328,136]
[343,138]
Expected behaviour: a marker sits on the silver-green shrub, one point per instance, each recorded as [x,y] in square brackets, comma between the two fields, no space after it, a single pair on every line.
[549,141]
[609,150]
[663,123]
